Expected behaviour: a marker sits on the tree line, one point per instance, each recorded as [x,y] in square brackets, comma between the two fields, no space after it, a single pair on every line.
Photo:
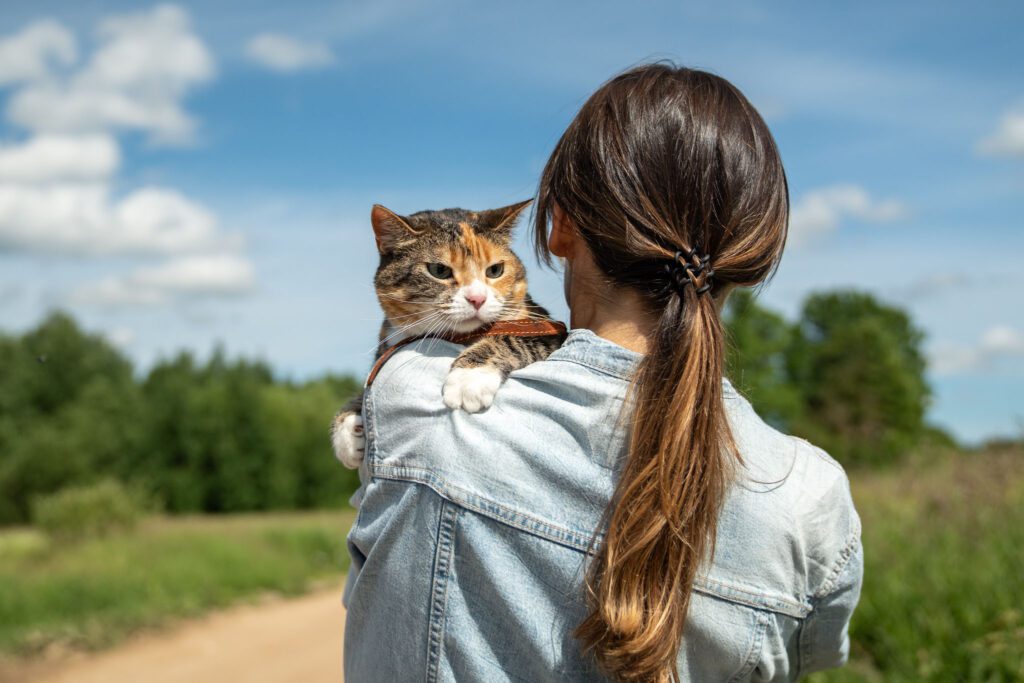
[226,435]
[848,374]
[222,435]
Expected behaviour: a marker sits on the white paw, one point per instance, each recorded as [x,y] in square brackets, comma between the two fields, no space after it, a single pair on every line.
[471,389]
[348,440]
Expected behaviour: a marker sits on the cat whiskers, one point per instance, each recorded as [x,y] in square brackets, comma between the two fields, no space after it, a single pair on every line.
[438,323]
[438,330]
[403,329]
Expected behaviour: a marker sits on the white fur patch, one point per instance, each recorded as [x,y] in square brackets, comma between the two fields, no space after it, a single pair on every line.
[348,441]
[471,389]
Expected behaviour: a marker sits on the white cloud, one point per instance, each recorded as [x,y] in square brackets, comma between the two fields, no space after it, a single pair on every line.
[45,158]
[997,343]
[82,219]
[1008,138]
[168,222]
[56,191]
[821,211]
[285,54]
[216,276]
[31,53]
[74,108]
[1003,341]
[144,66]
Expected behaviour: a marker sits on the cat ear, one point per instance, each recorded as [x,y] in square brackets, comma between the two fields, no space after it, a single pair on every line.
[504,219]
[389,228]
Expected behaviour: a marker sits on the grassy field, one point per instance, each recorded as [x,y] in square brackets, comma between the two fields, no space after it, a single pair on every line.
[92,593]
[943,598]
[944,571]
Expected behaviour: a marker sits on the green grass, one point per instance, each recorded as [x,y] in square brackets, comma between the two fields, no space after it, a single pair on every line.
[92,593]
[943,594]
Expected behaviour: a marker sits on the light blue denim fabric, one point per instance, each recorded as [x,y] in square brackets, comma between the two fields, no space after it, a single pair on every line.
[469,549]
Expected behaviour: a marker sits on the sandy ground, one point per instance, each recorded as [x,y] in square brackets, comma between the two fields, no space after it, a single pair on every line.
[289,641]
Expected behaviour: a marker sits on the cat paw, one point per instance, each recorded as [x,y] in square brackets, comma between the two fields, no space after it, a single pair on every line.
[471,389]
[348,440]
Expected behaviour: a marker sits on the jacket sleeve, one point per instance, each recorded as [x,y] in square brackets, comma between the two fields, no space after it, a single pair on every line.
[824,637]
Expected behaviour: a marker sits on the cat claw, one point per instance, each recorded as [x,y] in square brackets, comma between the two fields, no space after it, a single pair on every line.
[349,441]
[471,389]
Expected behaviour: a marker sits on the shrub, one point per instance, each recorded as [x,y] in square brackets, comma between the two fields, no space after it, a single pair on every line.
[86,511]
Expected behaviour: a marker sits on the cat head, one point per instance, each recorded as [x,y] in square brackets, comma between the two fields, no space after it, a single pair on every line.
[448,271]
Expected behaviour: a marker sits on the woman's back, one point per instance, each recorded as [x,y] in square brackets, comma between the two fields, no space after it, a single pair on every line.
[484,521]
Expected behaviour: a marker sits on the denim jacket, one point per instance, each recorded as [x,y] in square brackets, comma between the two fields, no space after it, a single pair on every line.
[469,550]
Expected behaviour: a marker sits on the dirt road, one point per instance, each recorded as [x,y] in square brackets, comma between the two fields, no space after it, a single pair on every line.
[290,641]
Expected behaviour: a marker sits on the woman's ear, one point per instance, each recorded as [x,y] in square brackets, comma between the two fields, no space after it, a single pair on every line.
[563,235]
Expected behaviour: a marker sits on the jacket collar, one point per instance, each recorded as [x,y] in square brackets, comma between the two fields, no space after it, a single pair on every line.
[586,348]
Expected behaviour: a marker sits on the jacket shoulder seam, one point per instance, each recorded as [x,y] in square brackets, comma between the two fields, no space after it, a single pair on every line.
[829,584]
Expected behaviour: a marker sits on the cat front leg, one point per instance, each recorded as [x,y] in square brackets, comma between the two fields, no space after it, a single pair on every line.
[479,371]
[347,435]
[472,388]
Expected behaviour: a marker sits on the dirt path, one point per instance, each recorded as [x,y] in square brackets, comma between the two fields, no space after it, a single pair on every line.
[289,641]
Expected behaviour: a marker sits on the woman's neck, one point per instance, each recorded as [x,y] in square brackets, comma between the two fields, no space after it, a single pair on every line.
[617,314]
[624,333]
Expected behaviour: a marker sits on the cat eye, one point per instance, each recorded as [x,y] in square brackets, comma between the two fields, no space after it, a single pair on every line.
[439,270]
[495,269]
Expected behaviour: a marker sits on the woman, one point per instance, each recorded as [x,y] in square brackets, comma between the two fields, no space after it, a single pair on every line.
[725,550]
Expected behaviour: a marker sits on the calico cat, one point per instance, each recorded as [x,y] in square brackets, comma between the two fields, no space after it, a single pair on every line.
[442,273]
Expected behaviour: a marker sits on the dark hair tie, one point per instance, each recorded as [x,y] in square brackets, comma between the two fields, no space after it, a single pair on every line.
[690,267]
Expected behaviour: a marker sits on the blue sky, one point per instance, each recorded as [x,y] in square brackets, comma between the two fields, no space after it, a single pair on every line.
[182,175]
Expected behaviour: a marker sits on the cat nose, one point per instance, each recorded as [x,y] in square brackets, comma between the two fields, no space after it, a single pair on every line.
[477,300]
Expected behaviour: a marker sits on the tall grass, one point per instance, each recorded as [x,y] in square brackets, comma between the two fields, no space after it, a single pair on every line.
[93,592]
[943,595]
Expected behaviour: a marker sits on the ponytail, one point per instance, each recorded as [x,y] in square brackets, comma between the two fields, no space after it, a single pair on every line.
[662,158]
[663,519]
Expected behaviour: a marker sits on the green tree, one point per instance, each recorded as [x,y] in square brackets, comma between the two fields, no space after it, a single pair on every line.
[170,465]
[50,366]
[756,355]
[207,443]
[858,365]
[303,472]
[225,436]
[69,413]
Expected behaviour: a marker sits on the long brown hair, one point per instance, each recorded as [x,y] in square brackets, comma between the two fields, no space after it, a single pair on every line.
[663,160]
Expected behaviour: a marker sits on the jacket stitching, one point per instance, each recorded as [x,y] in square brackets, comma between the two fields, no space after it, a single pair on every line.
[807,626]
[574,539]
[844,557]
[804,645]
[577,540]
[369,426]
[754,599]
[439,590]
[755,647]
